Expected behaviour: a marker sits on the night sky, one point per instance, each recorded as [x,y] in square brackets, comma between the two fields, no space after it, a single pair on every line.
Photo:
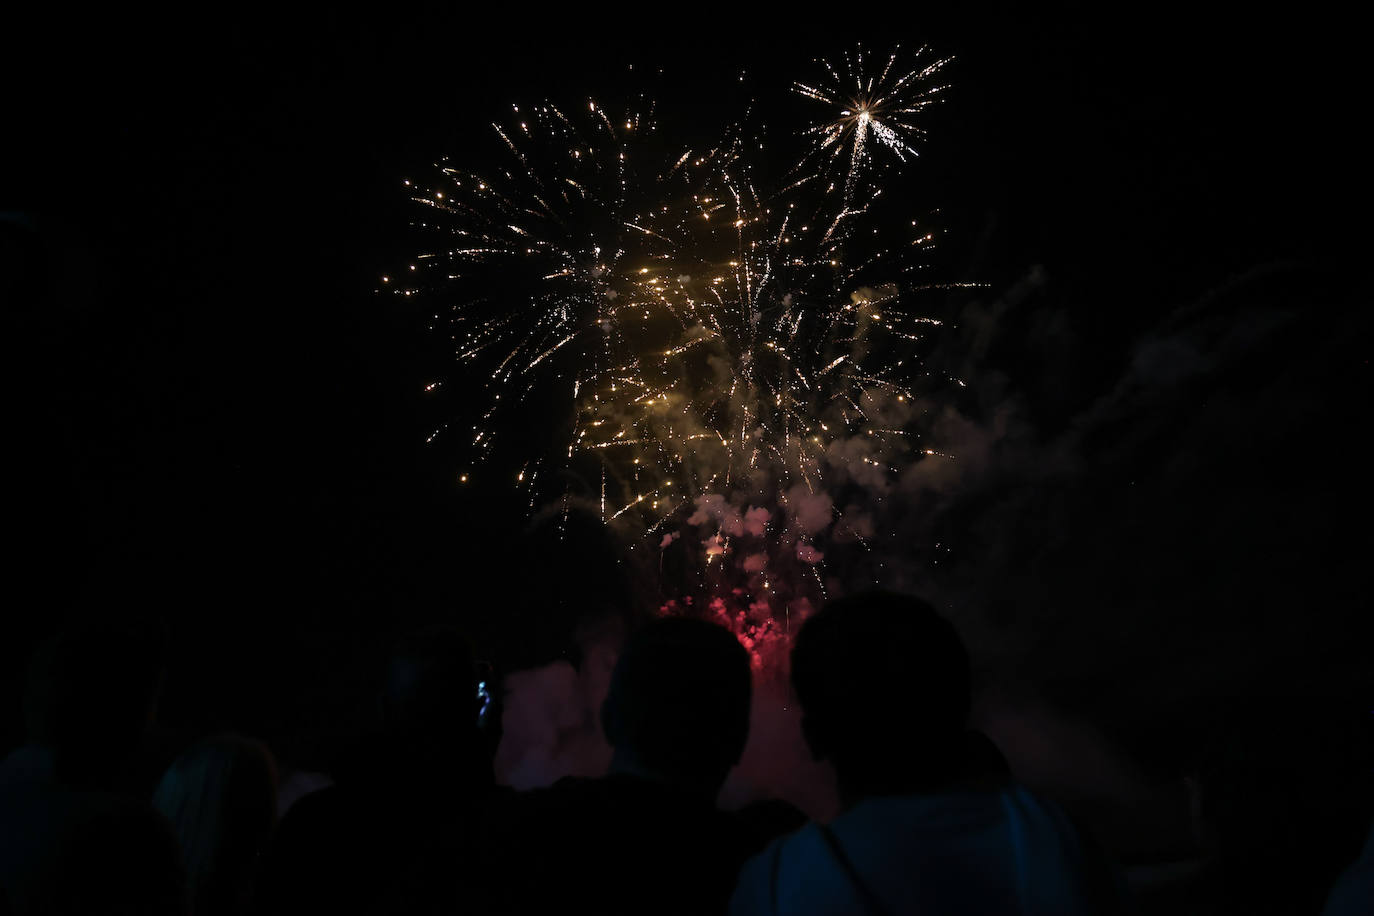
[212,418]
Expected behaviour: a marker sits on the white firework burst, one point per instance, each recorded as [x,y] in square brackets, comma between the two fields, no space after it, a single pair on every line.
[871,108]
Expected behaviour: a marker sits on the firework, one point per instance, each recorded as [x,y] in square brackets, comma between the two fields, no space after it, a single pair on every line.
[728,349]
[870,108]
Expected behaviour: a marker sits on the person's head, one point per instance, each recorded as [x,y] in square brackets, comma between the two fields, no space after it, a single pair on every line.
[884,686]
[91,697]
[430,693]
[221,799]
[678,705]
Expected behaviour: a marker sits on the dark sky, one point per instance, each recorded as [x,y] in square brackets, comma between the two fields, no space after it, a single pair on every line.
[215,420]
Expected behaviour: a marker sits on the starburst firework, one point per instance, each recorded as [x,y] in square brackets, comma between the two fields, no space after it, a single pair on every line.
[870,108]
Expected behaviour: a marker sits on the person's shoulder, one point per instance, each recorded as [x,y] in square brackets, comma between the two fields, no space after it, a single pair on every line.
[1030,813]
[1353,891]
[756,887]
[1070,846]
[912,815]
[793,874]
[801,844]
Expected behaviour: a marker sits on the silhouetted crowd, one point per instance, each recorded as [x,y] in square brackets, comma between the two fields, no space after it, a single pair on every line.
[932,820]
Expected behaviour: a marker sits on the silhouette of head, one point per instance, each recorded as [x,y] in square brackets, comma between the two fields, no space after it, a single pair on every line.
[431,690]
[221,799]
[884,686]
[91,696]
[678,705]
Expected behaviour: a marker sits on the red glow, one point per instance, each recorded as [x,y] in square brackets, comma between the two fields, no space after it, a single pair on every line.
[764,632]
